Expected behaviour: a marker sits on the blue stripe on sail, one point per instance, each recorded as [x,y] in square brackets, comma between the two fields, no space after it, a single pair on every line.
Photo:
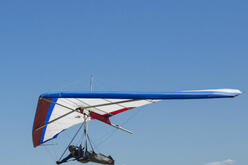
[53,136]
[50,110]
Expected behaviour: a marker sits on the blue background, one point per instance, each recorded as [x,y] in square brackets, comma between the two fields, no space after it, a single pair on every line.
[140,45]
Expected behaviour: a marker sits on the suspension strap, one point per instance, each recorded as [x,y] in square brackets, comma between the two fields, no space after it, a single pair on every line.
[85,134]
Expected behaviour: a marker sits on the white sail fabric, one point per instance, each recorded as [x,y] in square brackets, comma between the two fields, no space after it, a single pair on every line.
[74,118]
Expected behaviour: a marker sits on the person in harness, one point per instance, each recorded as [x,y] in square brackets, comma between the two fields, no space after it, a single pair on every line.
[84,156]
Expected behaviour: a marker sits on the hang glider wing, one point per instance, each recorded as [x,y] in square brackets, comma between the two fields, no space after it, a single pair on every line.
[58,111]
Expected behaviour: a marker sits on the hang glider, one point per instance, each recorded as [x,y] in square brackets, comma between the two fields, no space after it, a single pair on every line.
[59,111]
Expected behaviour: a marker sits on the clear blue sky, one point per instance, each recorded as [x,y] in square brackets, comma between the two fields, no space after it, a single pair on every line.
[130,45]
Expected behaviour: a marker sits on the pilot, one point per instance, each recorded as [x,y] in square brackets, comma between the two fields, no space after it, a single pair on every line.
[84,156]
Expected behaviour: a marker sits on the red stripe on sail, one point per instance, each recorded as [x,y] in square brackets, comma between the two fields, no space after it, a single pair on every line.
[39,120]
[120,111]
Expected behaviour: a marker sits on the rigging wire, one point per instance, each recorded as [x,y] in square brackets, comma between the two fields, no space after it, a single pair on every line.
[90,143]
[71,140]
[114,131]
[51,151]
[50,154]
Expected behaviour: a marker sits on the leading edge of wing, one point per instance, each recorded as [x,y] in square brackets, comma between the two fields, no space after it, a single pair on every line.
[193,94]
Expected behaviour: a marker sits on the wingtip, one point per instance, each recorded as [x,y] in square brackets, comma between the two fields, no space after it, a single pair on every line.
[234,92]
[238,92]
